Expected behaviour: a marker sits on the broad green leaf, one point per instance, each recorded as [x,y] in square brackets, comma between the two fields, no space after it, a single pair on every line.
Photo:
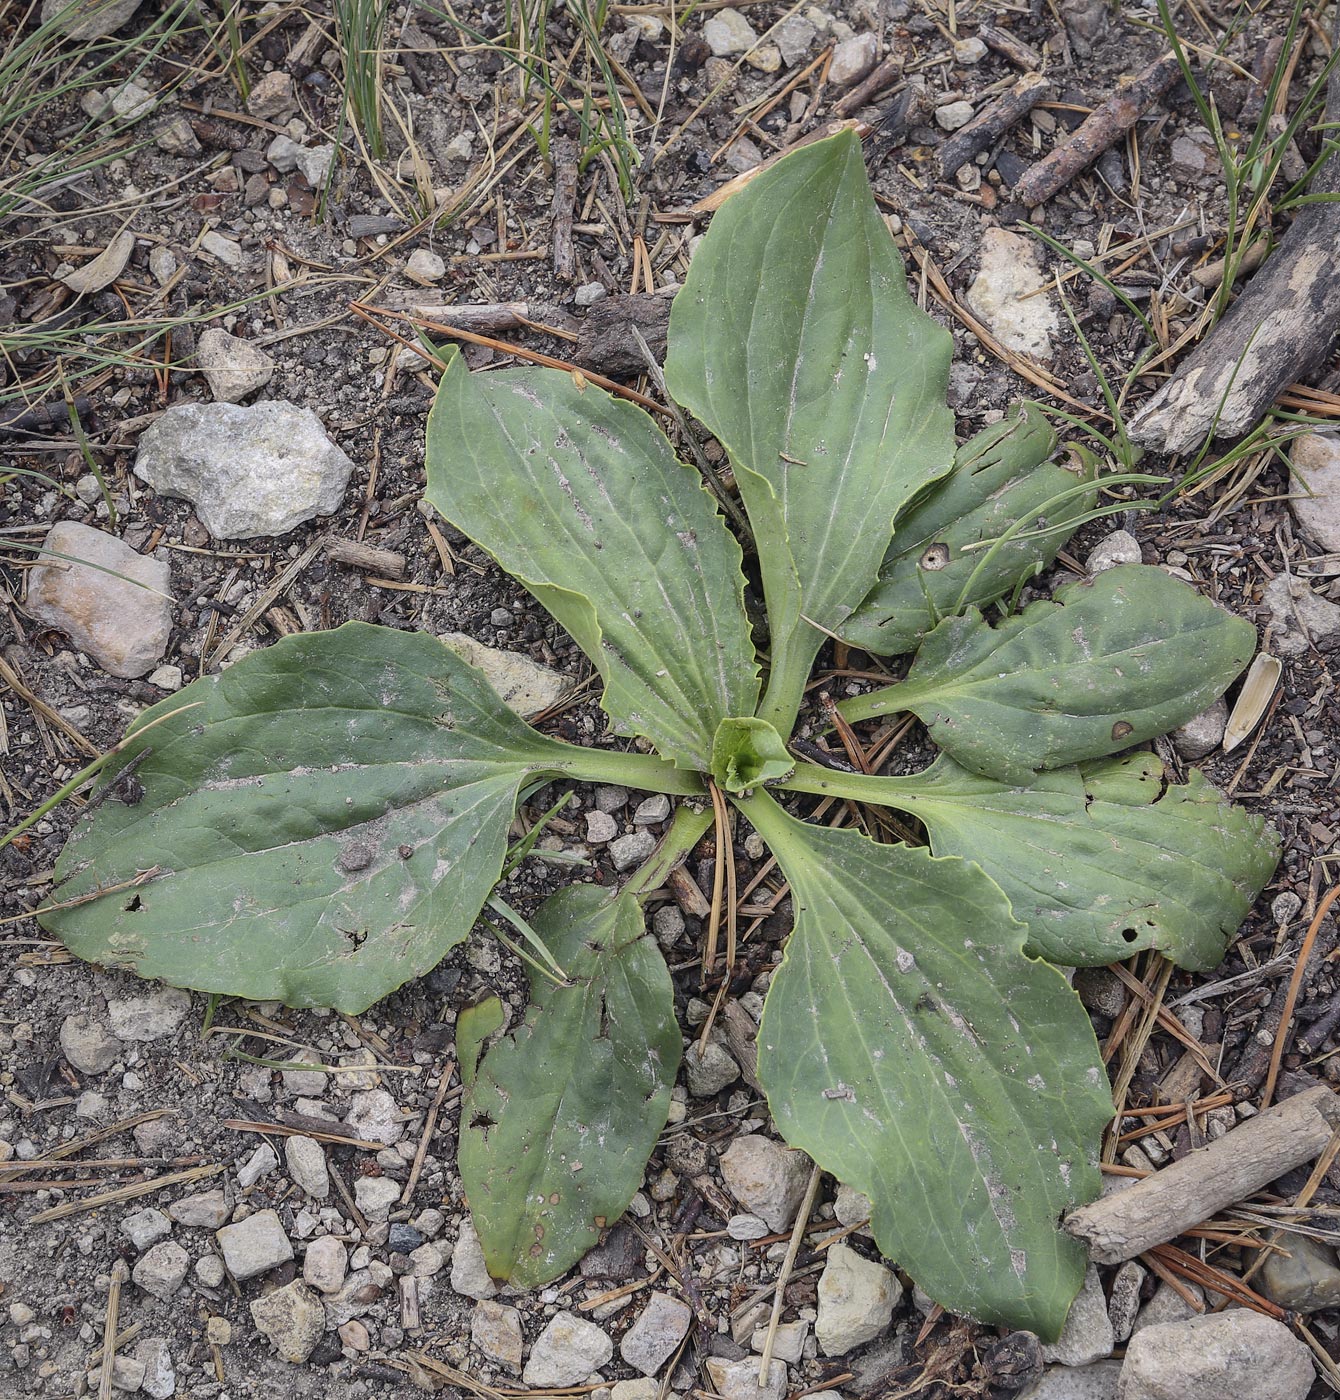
[933,569]
[1104,665]
[563,1113]
[474,1025]
[325,822]
[912,1050]
[578,495]
[748,751]
[795,341]
[1099,862]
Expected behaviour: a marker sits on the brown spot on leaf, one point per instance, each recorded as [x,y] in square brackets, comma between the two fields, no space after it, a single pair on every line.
[1122,729]
[935,557]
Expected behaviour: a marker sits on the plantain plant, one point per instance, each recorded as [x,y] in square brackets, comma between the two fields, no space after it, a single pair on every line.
[326,819]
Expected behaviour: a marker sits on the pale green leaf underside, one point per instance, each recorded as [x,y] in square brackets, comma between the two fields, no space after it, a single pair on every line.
[912,1050]
[795,341]
[1000,478]
[1106,664]
[563,1113]
[327,819]
[579,496]
[1106,861]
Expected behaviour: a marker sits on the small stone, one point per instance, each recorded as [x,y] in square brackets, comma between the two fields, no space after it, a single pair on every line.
[643,1388]
[856,1301]
[747,1227]
[160,1377]
[261,1162]
[1168,1305]
[89,489]
[162,1270]
[151,1015]
[709,1071]
[469,1274]
[123,622]
[259,469]
[283,153]
[146,1227]
[306,1162]
[1123,1301]
[428,1260]
[205,1210]
[795,37]
[1096,1382]
[1305,1279]
[851,1207]
[1300,618]
[227,250]
[374,1115]
[403,1237]
[355,1336]
[1202,734]
[968,52]
[86,1043]
[523,685]
[127,1375]
[176,138]
[589,293]
[1193,157]
[852,59]
[1009,291]
[1233,1353]
[767,58]
[652,810]
[325,1263]
[667,923]
[425,267]
[566,1353]
[743,155]
[738,1380]
[632,849]
[660,1327]
[91,1105]
[1120,547]
[210,1271]
[788,1343]
[314,164]
[271,96]
[461,147]
[496,1330]
[232,368]
[167,678]
[610,798]
[130,102]
[255,1245]
[88,19]
[729,33]
[954,115]
[1087,1335]
[219,1331]
[304,1083]
[1284,906]
[1315,490]
[375,1195]
[600,828]
[766,1178]
[292,1318]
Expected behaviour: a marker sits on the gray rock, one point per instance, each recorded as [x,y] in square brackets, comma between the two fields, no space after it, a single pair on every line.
[357,1295]
[652,810]
[1087,1335]
[227,250]
[787,1345]
[523,685]
[271,96]
[262,469]
[766,1178]
[150,1015]
[283,153]
[306,1162]
[1120,547]
[88,19]
[496,1330]
[610,798]
[261,1163]
[968,52]
[375,1195]
[1123,1302]
[255,1245]
[667,923]
[728,33]
[633,849]
[643,1388]
[1009,291]
[709,1072]
[856,1301]
[953,115]
[130,102]
[469,1274]
[1096,1382]
[851,1207]
[1203,734]
[567,1352]
[162,1269]
[1315,491]
[325,1263]
[425,266]
[1234,1353]
[600,828]
[232,368]
[292,1318]
[374,1115]
[176,138]
[204,1210]
[747,1227]
[1305,1279]
[87,1044]
[429,1259]
[304,1083]
[589,293]
[1300,618]
[795,37]
[314,164]
[127,1375]
[738,1380]
[461,147]
[660,1327]
[852,59]
[160,1376]
[146,1227]
[210,1271]
[121,618]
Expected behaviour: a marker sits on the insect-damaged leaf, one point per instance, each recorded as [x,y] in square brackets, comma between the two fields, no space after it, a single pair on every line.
[325,821]
[578,495]
[1001,481]
[796,342]
[562,1114]
[911,1049]
[1106,664]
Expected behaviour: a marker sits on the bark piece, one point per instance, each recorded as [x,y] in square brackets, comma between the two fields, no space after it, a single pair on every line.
[565,203]
[883,75]
[385,562]
[1220,1174]
[1008,46]
[608,344]
[992,122]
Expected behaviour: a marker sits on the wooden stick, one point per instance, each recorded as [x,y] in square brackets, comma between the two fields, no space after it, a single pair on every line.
[1220,1174]
[883,75]
[365,556]
[120,1273]
[992,122]
[784,1274]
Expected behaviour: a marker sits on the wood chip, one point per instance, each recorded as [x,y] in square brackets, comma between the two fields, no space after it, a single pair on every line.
[104,269]
[1253,699]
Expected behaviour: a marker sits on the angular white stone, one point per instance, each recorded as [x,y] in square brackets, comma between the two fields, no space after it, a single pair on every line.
[856,1301]
[566,1352]
[1009,294]
[232,368]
